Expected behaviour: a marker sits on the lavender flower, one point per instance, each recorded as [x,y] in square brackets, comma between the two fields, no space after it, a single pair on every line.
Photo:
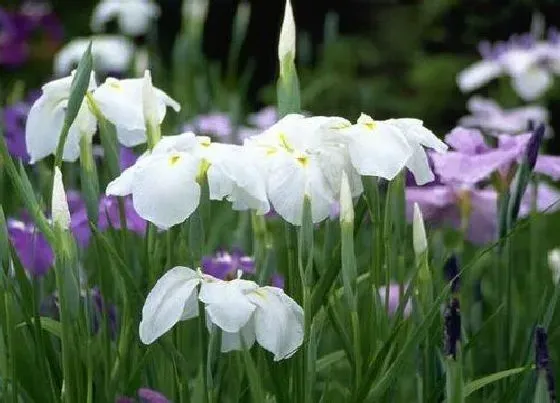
[489,117]
[394,299]
[151,396]
[224,265]
[542,360]
[215,124]
[32,249]
[14,129]
[264,118]
[452,337]
[100,308]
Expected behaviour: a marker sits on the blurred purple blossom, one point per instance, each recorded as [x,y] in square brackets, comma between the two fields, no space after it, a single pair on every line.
[224,265]
[215,124]
[489,117]
[394,298]
[146,396]
[32,249]
[18,27]
[14,117]
[264,118]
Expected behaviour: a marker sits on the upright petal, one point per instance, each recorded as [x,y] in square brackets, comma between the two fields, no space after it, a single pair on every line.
[532,83]
[167,302]
[478,74]
[278,322]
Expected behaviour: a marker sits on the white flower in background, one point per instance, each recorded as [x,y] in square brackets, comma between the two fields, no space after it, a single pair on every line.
[383,148]
[488,116]
[302,157]
[121,103]
[110,54]
[134,16]
[243,311]
[59,204]
[164,183]
[46,118]
[529,63]
[554,264]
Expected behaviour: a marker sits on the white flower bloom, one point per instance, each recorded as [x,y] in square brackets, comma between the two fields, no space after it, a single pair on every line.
[59,204]
[121,103]
[287,42]
[46,118]
[554,264]
[419,240]
[110,54]
[300,158]
[134,16]
[163,183]
[243,311]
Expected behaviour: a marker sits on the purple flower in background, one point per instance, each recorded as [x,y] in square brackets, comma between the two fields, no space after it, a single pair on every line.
[224,265]
[14,117]
[127,158]
[146,396]
[100,308]
[264,118]
[216,124]
[32,249]
[13,46]
[489,117]
[394,298]
[548,165]
[109,217]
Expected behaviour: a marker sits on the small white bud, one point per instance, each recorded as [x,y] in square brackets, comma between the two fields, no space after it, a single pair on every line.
[59,206]
[346,204]
[287,42]
[554,264]
[419,240]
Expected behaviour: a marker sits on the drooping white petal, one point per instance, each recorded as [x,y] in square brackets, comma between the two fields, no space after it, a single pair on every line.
[278,321]
[85,124]
[414,131]
[59,205]
[478,74]
[42,129]
[227,305]
[233,341]
[532,83]
[164,189]
[419,166]
[167,302]
[376,148]
[134,16]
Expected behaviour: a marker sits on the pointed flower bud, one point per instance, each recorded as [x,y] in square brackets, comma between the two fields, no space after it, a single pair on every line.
[419,240]
[533,146]
[59,206]
[150,110]
[346,205]
[542,360]
[554,264]
[452,317]
[287,43]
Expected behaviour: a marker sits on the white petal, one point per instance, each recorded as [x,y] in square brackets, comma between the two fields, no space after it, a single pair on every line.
[165,190]
[478,74]
[414,130]
[103,13]
[131,137]
[42,129]
[167,302]
[232,341]
[226,303]
[377,149]
[419,166]
[278,322]
[85,124]
[532,83]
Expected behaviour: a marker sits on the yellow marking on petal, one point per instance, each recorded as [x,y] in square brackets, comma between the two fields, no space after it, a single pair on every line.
[303,160]
[284,142]
[202,169]
[115,84]
[174,159]
[260,293]
[271,151]
[370,125]
[205,141]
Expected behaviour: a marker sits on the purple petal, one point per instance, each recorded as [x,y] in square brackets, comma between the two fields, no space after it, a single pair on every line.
[394,299]
[277,280]
[32,249]
[434,201]
[548,165]
[548,199]
[483,220]
[151,396]
[125,399]
[467,141]
[264,118]
[127,158]
[216,124]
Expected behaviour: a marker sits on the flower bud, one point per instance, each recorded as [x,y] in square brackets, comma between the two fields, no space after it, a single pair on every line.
[419,241]
[287,42]
[59,206]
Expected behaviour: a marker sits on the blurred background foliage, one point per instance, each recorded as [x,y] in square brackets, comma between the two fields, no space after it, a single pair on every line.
[387,58]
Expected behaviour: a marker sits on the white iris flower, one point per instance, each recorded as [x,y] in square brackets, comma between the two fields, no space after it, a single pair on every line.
[243,311]
[134,16]
[121,103]
[46,118]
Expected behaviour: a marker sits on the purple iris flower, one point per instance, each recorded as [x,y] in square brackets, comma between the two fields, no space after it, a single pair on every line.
[109,217]
[489,117]
[394,298]
[461,197]
[100,308]
[264,118]
[127,158]
[32,249]
[224,265]
[215,124]
[13,46]
[14,117]
[146,396]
